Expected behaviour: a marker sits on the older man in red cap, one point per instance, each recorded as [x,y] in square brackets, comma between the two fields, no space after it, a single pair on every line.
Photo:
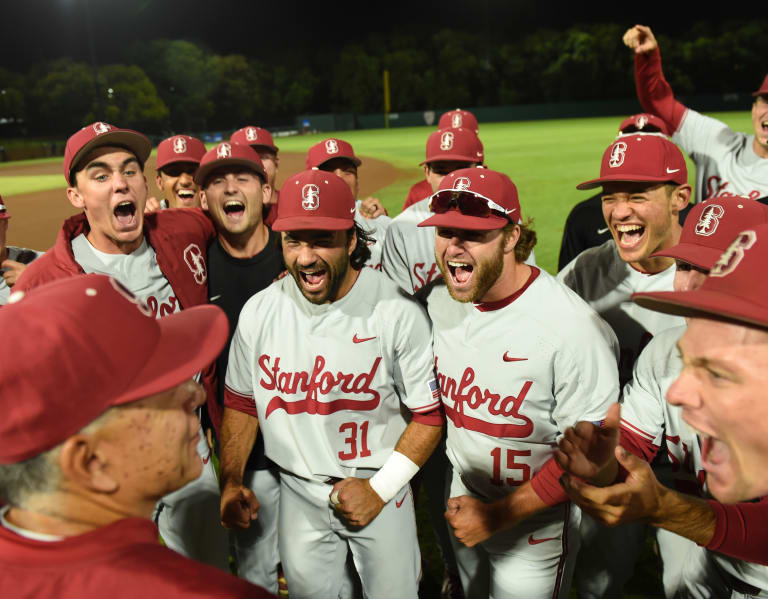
[177,160]
[509,397]
[161,258]
[80,484]
[694,535]
[320,367]
[13,260]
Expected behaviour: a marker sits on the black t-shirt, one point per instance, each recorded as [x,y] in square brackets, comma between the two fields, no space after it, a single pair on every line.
[231,283]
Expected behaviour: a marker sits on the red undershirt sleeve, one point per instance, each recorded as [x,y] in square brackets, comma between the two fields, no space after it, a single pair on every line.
[241,403]
[432,418]
[654,92]
[546,483]
[741,531]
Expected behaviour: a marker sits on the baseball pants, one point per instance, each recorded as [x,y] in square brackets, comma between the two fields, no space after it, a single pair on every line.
[189,519]
[687,572]
[256,546]
[534,560]
[314,541]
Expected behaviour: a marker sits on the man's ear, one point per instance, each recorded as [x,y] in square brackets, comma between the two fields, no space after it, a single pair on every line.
[511,237]
[85,463]
[266,193]
[75,198]
[203,200]
[352,242]
[681,196]
[159,181]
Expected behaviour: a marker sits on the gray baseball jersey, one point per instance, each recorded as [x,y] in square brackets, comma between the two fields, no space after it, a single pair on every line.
[726,163]
[513,376]
[606,282]
[646,413]
[15,253]
[377,227]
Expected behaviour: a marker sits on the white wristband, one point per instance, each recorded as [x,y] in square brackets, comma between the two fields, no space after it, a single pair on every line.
[393,475]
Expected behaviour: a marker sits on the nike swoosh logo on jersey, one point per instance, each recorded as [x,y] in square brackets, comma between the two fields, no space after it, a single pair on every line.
[532,541]
[399,503]
[672,171]
[214,298]
[508,358]
[601,231]
[356,339]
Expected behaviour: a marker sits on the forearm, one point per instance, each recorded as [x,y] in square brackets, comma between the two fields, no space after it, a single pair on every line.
[517,506]
[418,441]
[654,92]
[740,530]
[238,434]
[685,515]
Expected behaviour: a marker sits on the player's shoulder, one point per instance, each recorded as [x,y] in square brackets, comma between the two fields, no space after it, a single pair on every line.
[383,293]
[662,345]
[181,220]
[696,129]
[595,263]
[413,215]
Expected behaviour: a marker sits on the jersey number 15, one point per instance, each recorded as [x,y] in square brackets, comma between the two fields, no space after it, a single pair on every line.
[525,469]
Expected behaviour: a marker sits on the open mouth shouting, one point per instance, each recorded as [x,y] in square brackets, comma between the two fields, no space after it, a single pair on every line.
[125,215]
[629,236]
[460,274]
[234,210]
[186,198]
[313,281]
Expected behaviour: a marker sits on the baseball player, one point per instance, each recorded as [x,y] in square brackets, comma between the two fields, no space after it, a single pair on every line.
[644,182]
[727,162]
[337,156]
[647,421]
[514,371]
[408,253]
[242,260]
[79,485]
[13,260]
[320,367]
[261,140]
[453,119]
[160,257]
[177,160]
[585,226]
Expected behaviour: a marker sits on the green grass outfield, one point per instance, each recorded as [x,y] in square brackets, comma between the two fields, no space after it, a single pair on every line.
[545,159]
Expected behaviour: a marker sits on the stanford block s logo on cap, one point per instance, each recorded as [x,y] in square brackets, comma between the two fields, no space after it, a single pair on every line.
[224,150]
[618,152]
[709,220]
[641,121]
[331,147]
[179,145]
[251,134]
[456,120]
[311,194]
[462,184]
[101,128]
[195,260]
[734,254]
[446,140]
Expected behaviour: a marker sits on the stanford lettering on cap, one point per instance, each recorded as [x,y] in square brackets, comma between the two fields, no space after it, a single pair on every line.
[446,140]
[709,219]
[456,120]
[224,150]
[251,134]
[311,197]
[101,128]
[462,183]
[618,153]
[179,145]
[734,254]
[331,146]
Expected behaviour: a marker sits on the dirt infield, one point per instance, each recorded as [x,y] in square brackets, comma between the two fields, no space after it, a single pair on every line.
[37,216]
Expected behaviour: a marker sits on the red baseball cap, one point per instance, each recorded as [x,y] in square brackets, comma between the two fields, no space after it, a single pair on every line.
[453,119]
[229,154]
[328,149]
[83,344]
[644,122]
[641,158]
[3,210]
[483,184]
[711,226]
[100,134]
[179,148]
[454,144]
[763,88]
[315,199]
[254,137]
[736,288]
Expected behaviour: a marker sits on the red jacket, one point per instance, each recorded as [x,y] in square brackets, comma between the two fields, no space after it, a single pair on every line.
[180,239]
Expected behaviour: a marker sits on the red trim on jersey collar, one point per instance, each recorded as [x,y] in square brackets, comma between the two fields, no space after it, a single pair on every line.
[498,305]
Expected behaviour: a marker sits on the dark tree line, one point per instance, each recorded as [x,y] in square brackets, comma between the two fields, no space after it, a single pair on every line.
[178,85]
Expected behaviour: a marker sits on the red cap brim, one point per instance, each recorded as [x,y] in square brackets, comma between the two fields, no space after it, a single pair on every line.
[205,169]
[134,141]
[592,183]
[700,256]
[310,223]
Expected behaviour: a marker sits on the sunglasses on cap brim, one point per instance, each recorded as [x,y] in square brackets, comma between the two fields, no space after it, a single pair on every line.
[468,203]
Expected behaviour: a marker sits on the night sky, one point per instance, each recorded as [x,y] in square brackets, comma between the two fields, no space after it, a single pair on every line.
[35,30]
